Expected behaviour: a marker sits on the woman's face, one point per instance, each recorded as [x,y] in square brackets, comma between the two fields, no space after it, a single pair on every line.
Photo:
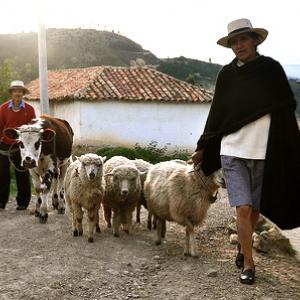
[243,46]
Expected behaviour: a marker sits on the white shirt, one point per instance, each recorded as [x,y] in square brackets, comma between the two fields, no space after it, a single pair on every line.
[250,141]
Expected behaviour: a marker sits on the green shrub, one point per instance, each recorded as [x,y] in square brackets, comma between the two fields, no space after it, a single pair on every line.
[152,153]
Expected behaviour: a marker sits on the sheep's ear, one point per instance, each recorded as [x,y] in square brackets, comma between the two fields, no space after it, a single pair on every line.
[108,174]
[104,159]
[142,173]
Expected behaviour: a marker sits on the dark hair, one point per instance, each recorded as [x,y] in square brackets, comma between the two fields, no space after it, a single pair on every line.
[255,36]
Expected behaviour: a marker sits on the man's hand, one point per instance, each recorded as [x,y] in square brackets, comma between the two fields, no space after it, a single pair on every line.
[197,157]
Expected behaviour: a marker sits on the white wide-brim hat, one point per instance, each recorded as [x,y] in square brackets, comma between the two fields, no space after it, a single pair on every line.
[18,84]
[241,26]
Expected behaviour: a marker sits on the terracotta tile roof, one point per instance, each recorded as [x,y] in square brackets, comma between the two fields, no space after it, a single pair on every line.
[118,83]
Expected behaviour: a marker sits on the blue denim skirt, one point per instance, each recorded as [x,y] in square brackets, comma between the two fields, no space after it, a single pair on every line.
[243,178]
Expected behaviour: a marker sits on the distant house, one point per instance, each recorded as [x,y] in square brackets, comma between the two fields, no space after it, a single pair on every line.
[125,106]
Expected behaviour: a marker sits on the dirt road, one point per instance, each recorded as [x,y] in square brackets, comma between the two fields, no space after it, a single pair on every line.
[44,261]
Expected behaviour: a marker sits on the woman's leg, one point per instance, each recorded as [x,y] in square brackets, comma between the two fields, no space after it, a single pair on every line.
[245,226]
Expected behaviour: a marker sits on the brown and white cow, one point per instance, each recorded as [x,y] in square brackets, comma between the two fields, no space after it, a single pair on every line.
[46,147]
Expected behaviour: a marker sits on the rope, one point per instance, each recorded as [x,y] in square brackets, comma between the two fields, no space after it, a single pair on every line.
[7,152]
[214,197]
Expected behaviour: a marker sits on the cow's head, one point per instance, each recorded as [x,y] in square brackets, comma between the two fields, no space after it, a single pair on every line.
[29,139]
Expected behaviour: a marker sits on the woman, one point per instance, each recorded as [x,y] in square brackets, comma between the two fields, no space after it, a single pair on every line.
[251,131]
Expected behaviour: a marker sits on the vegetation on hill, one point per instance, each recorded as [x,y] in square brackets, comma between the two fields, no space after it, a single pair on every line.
[191,70]
[71,48]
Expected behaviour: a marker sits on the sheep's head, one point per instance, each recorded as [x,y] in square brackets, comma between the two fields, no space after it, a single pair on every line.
[210,183]
[218,178]
[92,165]
[125,179]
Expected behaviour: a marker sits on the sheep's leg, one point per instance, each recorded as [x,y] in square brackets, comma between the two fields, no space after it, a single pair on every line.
[149,221]
[77,220]
[116,222]
[187,242]
[128,221]
[107,214]
[92,222]
[98,230]
[154,222]
[191,239]
[158,231]
[36,180]
[138,212]
[163,229]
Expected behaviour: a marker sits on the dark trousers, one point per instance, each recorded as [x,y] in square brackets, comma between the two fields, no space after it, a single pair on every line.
[22,179]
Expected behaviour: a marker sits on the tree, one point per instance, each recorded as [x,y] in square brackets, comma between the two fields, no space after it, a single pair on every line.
[190,79]
[8,72]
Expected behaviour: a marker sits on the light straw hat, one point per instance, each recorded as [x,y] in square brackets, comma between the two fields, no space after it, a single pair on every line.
[240,26]
[18,84]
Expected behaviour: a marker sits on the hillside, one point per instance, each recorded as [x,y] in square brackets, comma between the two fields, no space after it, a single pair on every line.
[204,73]
[192,70]
[70,48]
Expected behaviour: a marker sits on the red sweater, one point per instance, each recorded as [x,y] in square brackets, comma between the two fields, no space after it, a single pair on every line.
[12,119]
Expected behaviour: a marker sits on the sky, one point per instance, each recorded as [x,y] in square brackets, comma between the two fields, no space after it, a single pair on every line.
[168,28]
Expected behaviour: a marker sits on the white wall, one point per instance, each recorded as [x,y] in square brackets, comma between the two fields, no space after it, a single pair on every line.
[67,110]
[127,123]
[175,125]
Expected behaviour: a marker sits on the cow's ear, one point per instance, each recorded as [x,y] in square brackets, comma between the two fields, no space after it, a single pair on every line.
[11,133]
[48,135]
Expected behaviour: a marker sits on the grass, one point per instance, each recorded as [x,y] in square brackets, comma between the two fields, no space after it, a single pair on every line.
[13,184]
[152,153]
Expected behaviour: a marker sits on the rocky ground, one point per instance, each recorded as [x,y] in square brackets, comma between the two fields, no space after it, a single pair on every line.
[44,261]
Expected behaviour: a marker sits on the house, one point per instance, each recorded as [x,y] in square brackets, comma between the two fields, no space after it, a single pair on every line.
[126,105]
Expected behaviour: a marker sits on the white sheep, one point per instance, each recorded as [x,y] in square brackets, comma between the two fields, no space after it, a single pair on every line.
[143,167]
[176,192]
[123,191]
[84,187]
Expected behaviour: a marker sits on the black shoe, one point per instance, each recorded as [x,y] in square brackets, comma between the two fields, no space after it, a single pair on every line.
[239,260]
[20,207]
[247,276]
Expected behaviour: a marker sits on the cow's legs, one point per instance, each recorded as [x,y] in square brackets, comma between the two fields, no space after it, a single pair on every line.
[46,190]
[55,192]
[36,180]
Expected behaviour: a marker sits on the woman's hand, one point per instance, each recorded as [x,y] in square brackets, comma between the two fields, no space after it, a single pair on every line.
[197,157]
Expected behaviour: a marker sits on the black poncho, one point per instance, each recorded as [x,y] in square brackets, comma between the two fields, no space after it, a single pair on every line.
[242,95]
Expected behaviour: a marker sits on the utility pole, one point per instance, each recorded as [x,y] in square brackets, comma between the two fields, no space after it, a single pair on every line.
[43,72]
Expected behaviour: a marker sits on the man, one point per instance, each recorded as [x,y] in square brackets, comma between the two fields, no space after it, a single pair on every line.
[251,131]
[13,114]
